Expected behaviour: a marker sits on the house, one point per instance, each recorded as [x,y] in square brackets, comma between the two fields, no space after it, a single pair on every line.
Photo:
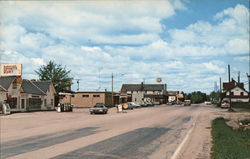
[12,85]
[26,95]
[89,99]
[142,92]
[3,94]
[175,96]
[172,96]
[235,91]
[37,95]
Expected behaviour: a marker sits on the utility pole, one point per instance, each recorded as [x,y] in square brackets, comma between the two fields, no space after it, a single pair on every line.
[78,81]
[239,77]
[220,84]
[248,76]
[0,65]
[220,92]
[112,76]
[230,103]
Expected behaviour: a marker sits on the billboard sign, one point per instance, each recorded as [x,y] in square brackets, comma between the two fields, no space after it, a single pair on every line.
[158,79]
[10,69]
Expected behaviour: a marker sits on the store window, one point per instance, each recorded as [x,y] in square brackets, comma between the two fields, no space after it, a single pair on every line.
[22,103]
[51,102]
[45,102]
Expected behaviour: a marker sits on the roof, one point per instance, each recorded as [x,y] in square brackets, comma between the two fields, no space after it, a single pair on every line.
[94,92]
[172,92]
[30,88]
[43,85]
[237,87]
[5,82]
[2,89]
[232,84]
[145,87]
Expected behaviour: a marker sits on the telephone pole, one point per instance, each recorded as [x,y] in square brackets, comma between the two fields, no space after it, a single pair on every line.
[220,84]
[112,76]
[230,102]
[78,82]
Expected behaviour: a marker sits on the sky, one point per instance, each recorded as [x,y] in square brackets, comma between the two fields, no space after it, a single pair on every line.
[187,43]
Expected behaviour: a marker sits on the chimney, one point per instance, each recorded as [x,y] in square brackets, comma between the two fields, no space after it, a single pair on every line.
[239,77]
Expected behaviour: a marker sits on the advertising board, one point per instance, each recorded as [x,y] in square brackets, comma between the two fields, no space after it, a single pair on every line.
[10,69]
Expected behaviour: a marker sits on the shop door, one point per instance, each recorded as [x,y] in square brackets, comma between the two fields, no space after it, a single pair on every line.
[13,103]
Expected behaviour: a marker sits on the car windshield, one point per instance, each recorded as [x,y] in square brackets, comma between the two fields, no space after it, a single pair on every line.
[99,105]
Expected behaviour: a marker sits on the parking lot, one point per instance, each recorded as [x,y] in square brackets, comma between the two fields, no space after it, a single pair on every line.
[150,132]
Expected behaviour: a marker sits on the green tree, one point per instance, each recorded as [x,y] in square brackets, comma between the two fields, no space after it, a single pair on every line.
[214,96]
[196,97]
[57,74]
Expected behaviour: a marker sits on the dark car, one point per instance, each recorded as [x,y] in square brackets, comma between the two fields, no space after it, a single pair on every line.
[99,108]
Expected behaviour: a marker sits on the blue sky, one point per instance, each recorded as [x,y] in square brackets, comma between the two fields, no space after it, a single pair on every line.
[188,43]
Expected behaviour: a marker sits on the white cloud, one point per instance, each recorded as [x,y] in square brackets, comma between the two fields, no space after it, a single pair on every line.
[214,68]
[81,35]
[242,58]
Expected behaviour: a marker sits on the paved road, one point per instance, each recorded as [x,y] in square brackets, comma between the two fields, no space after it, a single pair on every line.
[154,132]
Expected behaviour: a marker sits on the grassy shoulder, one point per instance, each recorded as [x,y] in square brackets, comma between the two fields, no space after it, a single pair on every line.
[229,143]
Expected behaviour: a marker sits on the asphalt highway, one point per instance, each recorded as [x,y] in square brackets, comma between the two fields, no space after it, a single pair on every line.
[153,133]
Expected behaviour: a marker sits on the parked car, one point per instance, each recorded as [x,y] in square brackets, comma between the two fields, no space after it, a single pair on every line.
[99,108]
[208,102]
[149,103]
[156,103]
[171,103]
[187,102]
[224,104]
[135,105]
[215,102]
[143,104]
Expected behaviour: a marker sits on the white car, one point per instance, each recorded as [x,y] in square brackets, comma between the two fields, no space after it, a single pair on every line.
[208,102]
[224,105]
[135,105]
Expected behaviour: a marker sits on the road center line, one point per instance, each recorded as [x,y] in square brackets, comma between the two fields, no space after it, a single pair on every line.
[177,151]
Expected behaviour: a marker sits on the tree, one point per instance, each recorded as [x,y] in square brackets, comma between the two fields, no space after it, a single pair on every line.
[196,97]
[214,96]
[57,74]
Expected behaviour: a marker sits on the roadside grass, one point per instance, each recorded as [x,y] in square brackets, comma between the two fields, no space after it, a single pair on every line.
[229,143]
[242,106]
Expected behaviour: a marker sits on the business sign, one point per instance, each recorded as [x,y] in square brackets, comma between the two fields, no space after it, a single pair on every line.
[158,79]
[10,69]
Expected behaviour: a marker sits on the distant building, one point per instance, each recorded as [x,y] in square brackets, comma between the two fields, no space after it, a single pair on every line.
[175,96]
[89,99]
[142,92]
[236,91]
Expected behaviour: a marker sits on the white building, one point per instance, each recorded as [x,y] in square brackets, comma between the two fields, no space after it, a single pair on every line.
[26,95]
[143,92]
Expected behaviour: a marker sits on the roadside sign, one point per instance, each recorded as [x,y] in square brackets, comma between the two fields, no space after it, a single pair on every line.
[10,69]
